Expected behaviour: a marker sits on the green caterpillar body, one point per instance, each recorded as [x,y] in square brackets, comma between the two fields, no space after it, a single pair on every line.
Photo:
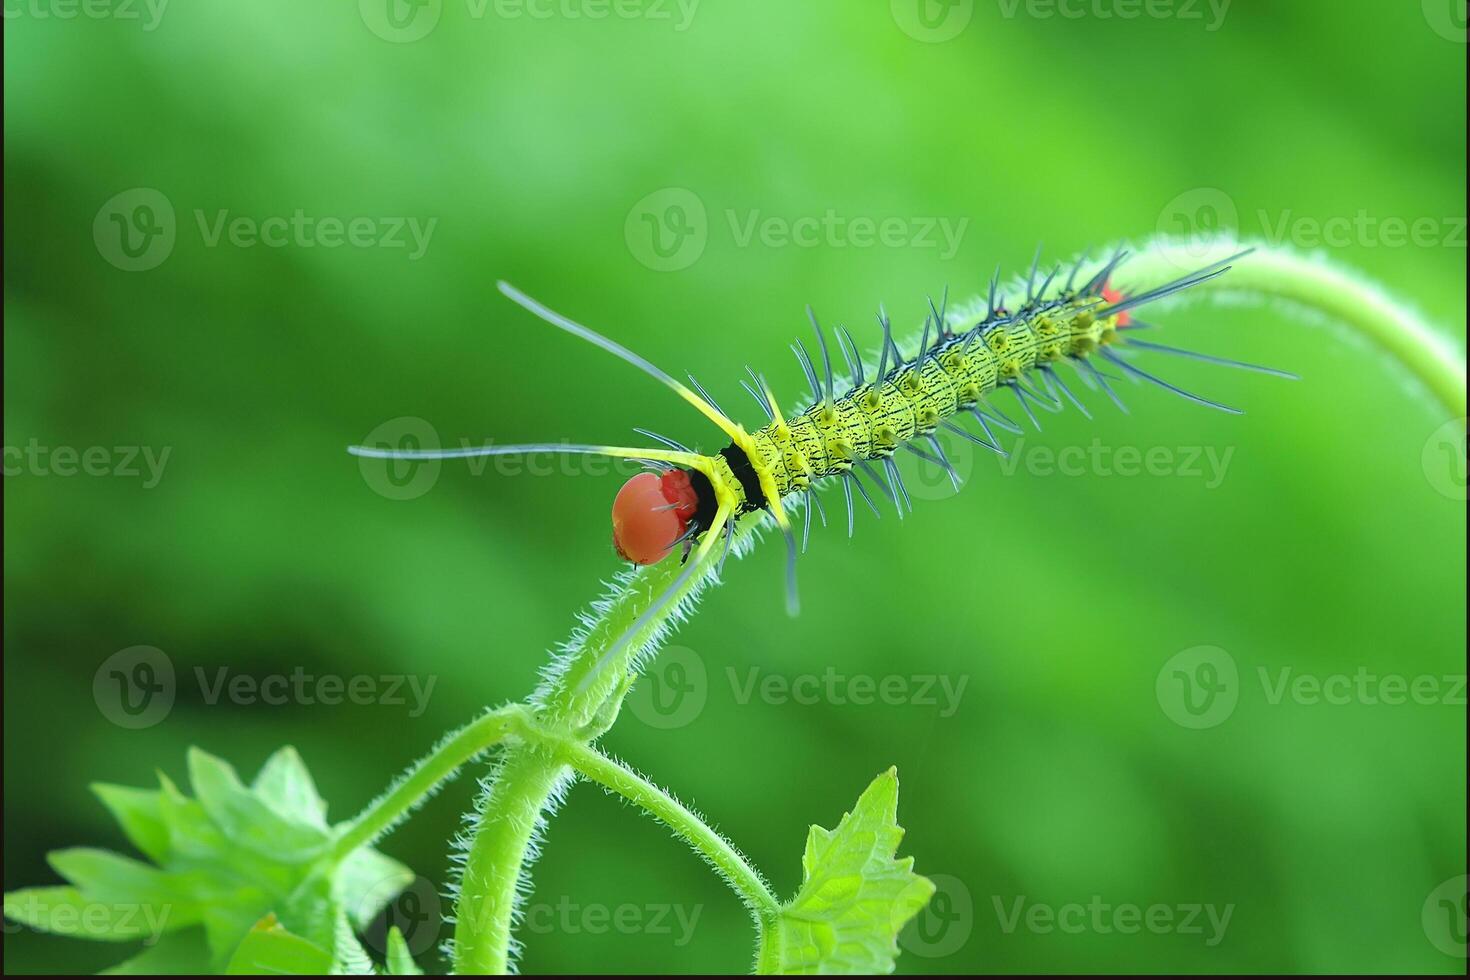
[873,420]
[691,502]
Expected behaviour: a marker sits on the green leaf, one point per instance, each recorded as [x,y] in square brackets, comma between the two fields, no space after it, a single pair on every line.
[348,956]
[224,861]
[287,787]
[183,953]
[310,913]
[245,818]
[366,882]
[64,911]
[226,925]
[107,879]
[855,895]
[140,814]
[400,960]
[191,834]
[269,949]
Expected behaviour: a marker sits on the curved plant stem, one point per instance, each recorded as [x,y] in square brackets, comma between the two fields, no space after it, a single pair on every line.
[1312,283]
[580,697]
[720,854]
[566,711]
[440,764]
[509,814]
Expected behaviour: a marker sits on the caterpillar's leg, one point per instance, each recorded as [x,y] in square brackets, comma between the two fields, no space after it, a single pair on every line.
[847,494]
[774,508]
[1101,380]
[783,523]
[1025,404]
[1053,379]
[863,491]
[729,546]
[971,437]
[897,491]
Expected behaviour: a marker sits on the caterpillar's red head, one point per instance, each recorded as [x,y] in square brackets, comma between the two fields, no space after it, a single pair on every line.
[1114,295]
[651,513]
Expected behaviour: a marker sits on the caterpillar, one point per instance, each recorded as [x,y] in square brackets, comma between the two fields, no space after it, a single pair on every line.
[690,502]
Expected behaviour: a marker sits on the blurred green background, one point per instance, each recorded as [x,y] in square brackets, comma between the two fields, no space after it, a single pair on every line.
[548,146]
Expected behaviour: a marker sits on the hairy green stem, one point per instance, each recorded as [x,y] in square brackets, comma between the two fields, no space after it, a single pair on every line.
[426,775]
[717,851]
[509,814]
[1312,283]
[578,701]
[581,696]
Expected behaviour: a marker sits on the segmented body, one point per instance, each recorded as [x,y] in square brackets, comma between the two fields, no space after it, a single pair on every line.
[872,421]
[697,499]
